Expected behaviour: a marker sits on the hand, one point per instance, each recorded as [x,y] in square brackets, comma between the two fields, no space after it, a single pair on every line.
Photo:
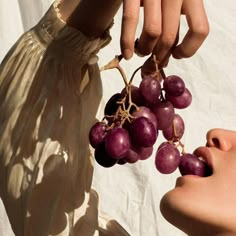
[161,28]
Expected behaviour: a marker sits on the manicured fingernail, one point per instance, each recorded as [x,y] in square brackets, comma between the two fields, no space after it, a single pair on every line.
[127,54]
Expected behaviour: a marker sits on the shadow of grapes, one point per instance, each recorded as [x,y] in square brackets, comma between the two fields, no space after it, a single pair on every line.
[46,112]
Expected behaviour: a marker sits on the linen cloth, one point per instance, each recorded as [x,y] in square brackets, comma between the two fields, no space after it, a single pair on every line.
[50,91]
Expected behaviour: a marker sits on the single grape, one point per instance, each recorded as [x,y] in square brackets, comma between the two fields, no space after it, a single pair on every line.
[143,133]
[150,89]
[192,165]
[102,157]
[164,112]
[132,156]
[182,101]
[144,152]
[167,158]
[97,134]
[174,85]
[143,111]
[176,130]
[112,106]
[117,143]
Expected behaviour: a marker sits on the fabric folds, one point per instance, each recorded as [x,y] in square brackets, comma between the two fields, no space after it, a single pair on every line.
[50,93]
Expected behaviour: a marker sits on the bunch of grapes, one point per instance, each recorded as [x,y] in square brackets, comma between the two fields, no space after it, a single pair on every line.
[134,117]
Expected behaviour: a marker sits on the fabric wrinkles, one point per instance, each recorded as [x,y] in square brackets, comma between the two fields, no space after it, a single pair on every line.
[46,165]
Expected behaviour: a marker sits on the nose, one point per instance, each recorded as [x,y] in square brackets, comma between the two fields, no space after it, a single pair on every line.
[221,138]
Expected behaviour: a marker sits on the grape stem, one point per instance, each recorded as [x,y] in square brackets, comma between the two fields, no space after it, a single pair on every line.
[182,146]
[132,77]
[114,63]
[163,74]
[122,114]
[174,129]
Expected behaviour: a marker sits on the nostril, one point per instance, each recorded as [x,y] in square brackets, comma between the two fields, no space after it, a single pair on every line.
[216,142]
[220,138]
[213,142]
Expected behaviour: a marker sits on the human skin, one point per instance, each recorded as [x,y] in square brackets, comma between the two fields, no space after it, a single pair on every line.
[161,28]
[92,17]
[206,205]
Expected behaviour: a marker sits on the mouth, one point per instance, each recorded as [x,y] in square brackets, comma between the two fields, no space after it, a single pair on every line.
[204,154]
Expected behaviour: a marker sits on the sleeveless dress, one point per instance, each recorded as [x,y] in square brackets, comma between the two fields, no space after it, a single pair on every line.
[50,92]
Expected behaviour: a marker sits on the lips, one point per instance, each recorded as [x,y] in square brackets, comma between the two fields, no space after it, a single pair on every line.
[204,154]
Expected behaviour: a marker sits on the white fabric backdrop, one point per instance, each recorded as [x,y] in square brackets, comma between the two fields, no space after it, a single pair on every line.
[131,193]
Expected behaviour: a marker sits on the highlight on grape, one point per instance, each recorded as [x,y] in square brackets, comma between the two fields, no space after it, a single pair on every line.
[134,117]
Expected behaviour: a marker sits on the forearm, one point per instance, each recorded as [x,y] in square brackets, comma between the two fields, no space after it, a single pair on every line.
[92,17]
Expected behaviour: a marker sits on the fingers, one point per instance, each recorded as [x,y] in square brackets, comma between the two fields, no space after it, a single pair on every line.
[151,27]
[171,11]
[198,29]
[128,27]
[161,28]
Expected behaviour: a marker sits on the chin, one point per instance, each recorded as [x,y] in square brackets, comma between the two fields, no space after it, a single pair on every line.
[170,209]
[191,218]
[182,213]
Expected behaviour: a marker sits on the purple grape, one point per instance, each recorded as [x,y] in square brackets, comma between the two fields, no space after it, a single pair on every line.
[144,152]
[162,145]
[117,143]
[102,157]
[143,133]
[121,161]
[167,159]
[154,75]
[174,85]
[147,113]
[97,134]
[112,106]
[149,69]
[138,153]
[176,130]
[192,165]
[132,156]
[136,95]
[150,89]
[182,101]
[164,112]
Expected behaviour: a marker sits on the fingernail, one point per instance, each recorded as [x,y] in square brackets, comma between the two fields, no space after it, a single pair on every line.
[127,54]
[176,54]
[138,53]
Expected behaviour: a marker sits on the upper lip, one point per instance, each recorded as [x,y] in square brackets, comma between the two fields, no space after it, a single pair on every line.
[205,153]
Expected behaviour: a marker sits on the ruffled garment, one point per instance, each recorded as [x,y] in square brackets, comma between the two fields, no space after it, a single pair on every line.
[50,91]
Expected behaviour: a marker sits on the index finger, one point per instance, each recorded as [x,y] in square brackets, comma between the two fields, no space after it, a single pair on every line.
[128,28]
